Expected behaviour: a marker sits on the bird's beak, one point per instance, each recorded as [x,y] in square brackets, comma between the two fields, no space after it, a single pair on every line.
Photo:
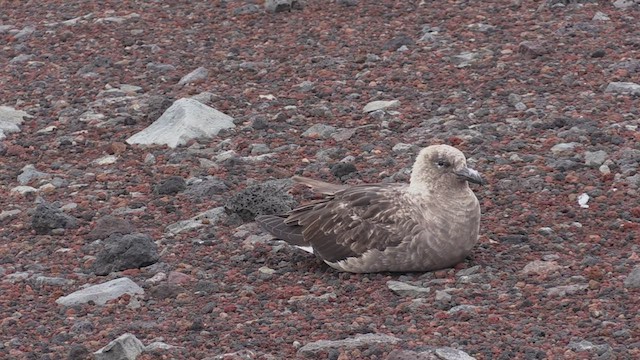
[470,175]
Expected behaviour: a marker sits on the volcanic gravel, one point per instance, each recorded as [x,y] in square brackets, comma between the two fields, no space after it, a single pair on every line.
[530,91]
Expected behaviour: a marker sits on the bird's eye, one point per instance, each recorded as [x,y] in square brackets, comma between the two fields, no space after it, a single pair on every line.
[443,164]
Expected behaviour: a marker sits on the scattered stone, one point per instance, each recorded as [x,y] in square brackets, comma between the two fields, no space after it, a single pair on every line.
[8,215]
[564,290]
[623,88]
[583,199]
[21,58]
[584,345]
[109,225]
[600,16]
[564,148]
[380,105]
[24,190]
[10,119]
[170,186]
[195,76]
[125,347]
[398,43]
[343,134]
[357,341]
[209,217]
[447,353]
[343,169]
[633,280]
[623,4]
[268,198]
[532,49]
[121,252]
[319,131]
[276,6]
[186,119]
[595,158]
[246,9]
[405,289]
[40,281]
[463,308]
[25,32]
[47,218]
[313,298]
[101,293]
[78,351]
[106,160]
[538,267]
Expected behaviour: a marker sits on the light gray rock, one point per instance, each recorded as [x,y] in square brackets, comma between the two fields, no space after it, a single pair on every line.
[405,289]
[196,75]
[623,4]
[350,343]
[565,290]
[623,88]
[40,281]
[538,267]
[8,215]
[380,105]
[447,353]
[29,173]
[564,148]
[186,119]
[321,131]
[101,293]
[600,16]
[211,216]
[595,158]
[125,347]
[25,32]
[633,280]
[10,119]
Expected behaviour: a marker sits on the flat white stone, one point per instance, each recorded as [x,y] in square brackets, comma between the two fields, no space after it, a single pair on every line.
[101,293]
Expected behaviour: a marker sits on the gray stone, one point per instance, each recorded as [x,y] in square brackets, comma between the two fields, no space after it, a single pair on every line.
[564,148]
[46,218]
[447,353]
[321,131]
[25,32]
[587,346]
[40,281]
[209,217]
[21,58]
[30,173]
[623,88]
[275,6]
[357,341]
[125,347]
[623,4]
[10,119]
[170,186]
[101,293]
[401,148]
[405,289]
[268,198]
[380,105]
[8,215]
[259,149]
[442,296]
[122,252]
[186,119]
[600,16]
[538,267]
[633,280]
[564,290]
[109,225]
[595,158]
[195,76]
[463,308]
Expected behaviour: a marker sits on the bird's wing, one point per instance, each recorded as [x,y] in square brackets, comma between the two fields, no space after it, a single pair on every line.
[319,186]
[357,219]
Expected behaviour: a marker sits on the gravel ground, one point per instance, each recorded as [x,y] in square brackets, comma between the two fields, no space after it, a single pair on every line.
[542,96]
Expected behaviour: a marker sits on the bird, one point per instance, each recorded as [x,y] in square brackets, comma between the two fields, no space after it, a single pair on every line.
[429,224]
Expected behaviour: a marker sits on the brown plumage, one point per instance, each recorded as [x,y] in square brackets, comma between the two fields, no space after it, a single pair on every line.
[429,224]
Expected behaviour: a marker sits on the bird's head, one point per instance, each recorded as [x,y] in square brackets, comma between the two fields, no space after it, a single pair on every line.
[442,167]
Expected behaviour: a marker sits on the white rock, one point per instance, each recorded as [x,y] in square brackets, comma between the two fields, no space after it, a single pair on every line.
[186,119]
[350,343]
[101,293]
[125,347]
[447,353]
[600,16]
[23,189]
[209,217]
[106,160]
[623,4]
[380,105]
[583,199]
[10,119]
[563,148]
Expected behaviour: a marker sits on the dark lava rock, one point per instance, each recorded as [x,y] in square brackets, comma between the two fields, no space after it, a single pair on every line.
[47,217]
[343,169]
[78,352]
[130,251]
[268,198]
[109,225]
[166,291]
[170,186]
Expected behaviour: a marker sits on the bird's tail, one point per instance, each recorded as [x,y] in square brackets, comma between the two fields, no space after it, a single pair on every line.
[318,186]
[276,226]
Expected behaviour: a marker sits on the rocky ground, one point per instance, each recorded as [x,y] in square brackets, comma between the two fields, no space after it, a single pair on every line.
[542,96]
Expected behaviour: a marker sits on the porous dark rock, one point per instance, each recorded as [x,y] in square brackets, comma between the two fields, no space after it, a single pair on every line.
[267,198]
[123,252]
